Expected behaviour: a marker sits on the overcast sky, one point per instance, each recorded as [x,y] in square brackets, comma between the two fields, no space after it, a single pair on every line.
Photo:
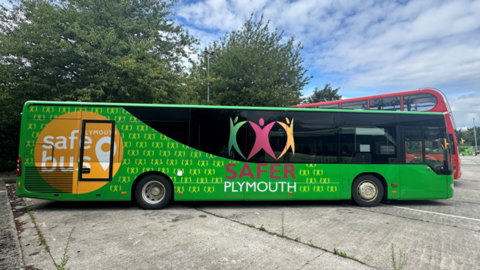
[367,47]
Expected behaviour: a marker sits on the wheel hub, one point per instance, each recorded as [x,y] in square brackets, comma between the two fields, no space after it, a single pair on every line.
[153,192]
[367,191]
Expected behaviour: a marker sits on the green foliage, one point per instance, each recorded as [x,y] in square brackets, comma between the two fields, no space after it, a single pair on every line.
[127,51]
[252,66]
[342,254]
[468,135]
[65,256]
[339,253]
[402,260]
[9,134]
[326,94]
[111,50]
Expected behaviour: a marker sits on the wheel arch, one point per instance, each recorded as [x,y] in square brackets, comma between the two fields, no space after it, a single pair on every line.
[141,176]
[380,177]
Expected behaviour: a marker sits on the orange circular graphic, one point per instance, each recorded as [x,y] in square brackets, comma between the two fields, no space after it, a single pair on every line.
[57,152]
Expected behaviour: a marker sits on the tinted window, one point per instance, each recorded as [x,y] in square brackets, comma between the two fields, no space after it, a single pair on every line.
[266,138]
[419,102]
[172,122]
[315,138]
[361,118]
[159,113]
[368,145]
[328,106]
[211,132]
[428,146]
[388,104]
[435,140]
[178,131]
[413,145]
[420,120]
[452,145]
[355,105]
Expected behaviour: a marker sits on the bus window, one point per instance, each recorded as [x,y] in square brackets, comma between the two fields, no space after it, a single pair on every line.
[266,149]
[387,104]
[435,140]
[413,145]
[368,145]
[171,122]
[315,138]
[328,106]
[355,105]
[419,102]
[211,130]
[452,145]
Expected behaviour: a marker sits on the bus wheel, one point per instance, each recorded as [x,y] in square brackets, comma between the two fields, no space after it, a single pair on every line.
[367,190]
[153,192]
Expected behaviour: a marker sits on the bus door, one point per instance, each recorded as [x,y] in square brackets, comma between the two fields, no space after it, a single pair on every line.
[424,176]
[97,150]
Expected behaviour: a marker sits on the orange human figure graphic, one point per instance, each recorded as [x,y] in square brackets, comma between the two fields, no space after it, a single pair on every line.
[290,142]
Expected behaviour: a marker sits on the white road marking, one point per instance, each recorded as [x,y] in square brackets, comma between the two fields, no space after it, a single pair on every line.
[435,213]
[3,191]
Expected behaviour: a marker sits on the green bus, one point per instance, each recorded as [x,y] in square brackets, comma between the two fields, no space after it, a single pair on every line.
[153,153]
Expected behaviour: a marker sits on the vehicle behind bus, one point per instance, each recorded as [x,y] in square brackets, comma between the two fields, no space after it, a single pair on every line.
[422,100]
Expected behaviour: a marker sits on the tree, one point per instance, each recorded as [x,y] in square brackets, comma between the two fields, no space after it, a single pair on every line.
[128,51]
[326,94]
[251,67]
[110,50]
[468,136]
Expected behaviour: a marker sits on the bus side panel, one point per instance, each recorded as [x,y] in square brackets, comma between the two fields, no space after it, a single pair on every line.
[47,171]
[450,184]
[420,182]
[389,172]
[206,177]
[318,182]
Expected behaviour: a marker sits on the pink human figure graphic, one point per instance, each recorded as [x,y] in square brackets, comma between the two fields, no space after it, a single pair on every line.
[261,141]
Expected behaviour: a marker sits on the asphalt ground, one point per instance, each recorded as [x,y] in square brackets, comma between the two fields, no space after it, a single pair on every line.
[433,234]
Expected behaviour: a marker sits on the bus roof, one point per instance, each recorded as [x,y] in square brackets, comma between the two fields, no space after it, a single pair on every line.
[439,94]
[105,104]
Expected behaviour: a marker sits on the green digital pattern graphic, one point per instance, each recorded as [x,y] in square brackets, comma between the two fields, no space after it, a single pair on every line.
[202,175]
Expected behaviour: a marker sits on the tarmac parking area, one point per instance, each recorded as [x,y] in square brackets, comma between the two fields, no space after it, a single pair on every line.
[442,234]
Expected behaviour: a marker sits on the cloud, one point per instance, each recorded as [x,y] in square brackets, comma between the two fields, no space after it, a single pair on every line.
[432,47]
[465,108]
[365,47]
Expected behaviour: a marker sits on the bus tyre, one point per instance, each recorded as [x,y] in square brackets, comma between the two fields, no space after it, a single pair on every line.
[153,192]
[367,190]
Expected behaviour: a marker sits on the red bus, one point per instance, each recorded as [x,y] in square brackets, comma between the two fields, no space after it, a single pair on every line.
[422,100]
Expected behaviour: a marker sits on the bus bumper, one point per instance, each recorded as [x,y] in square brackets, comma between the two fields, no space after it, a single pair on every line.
[450,187]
